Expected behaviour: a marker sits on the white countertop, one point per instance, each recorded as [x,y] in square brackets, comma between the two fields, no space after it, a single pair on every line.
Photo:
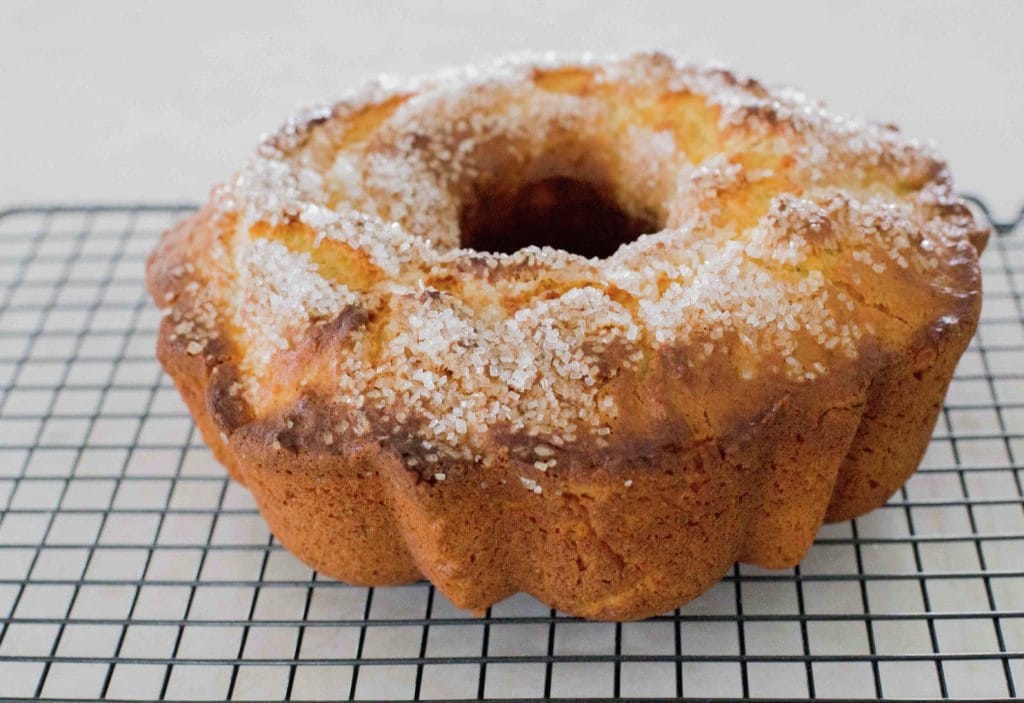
[130,101]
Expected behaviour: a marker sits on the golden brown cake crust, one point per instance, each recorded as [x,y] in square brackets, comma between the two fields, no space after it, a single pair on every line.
[609,434]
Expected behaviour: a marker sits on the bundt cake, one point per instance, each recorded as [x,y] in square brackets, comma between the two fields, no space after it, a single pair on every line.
[590,329]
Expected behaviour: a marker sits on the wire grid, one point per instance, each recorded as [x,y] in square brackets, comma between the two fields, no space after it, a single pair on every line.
[132,568]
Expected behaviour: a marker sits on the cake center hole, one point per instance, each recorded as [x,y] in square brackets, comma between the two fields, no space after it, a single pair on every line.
[560,212]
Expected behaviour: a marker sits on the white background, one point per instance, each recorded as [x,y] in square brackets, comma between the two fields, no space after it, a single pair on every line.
[125,101]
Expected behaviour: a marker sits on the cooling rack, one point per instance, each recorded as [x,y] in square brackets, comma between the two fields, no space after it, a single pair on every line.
[132,568]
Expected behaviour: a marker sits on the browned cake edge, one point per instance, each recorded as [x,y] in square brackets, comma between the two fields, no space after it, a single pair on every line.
[593,543]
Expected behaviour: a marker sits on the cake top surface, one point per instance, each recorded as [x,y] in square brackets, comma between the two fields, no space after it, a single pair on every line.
[766,242]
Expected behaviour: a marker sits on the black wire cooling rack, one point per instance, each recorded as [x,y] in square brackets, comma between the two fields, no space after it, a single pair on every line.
[132,568]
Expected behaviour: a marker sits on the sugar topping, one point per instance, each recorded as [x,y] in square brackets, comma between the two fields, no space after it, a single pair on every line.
[775,216]
[449,376]
[278,294]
